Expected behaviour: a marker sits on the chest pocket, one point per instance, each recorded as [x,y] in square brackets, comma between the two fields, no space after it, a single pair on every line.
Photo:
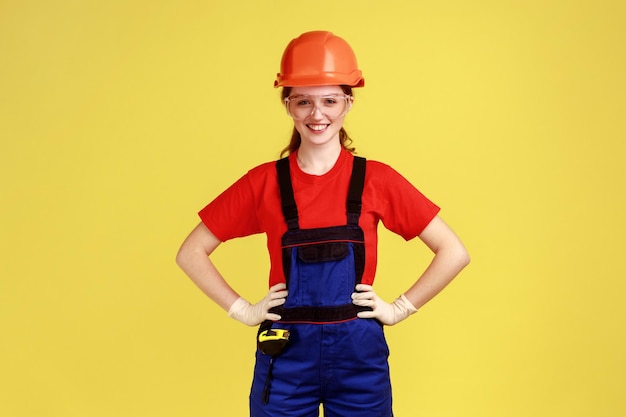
[323,252]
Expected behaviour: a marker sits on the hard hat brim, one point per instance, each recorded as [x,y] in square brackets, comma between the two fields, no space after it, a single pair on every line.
[353,80]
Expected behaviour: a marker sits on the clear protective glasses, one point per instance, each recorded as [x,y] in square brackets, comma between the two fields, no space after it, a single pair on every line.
[333,106]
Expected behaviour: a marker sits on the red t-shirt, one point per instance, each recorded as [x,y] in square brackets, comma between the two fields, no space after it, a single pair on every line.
[252,205]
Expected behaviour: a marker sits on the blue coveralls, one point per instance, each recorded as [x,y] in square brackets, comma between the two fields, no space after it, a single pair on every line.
[332,357]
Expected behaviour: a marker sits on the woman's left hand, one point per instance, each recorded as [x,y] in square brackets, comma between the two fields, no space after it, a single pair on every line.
[388,314]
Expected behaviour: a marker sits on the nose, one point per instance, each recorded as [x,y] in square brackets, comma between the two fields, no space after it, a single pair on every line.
[316,113]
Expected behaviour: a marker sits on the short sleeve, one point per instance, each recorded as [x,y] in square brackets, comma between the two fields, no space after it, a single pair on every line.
[406,211]
[232,214]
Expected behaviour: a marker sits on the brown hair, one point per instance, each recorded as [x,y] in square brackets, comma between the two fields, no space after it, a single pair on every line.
[295,141]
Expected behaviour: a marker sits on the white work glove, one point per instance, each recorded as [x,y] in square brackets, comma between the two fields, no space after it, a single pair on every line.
[255,314]
[388,314]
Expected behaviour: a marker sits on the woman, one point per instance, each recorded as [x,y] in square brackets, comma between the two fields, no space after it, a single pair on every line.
[321,337]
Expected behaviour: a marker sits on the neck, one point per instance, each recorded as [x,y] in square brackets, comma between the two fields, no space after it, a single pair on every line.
[316,161]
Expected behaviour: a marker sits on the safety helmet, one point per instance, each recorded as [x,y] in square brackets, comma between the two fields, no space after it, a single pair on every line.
[318,58]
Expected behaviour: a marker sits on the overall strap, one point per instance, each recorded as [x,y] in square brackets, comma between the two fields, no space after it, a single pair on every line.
[290,210]
[288,202]
[356,190]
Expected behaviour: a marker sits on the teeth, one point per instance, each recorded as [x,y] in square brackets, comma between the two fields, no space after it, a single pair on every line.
[317,127]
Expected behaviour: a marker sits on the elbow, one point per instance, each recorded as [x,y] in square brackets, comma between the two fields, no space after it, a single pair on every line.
[466,259]
[198,245]
[462,257]
[180,258]
[183,256]
[456,256]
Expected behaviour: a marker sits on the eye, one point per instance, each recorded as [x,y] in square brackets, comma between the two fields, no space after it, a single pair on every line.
[330,101]
[303,102]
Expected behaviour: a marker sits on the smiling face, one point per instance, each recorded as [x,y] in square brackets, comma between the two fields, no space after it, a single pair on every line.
[318,129]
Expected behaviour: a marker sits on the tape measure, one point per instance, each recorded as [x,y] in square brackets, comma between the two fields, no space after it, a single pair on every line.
[272,341]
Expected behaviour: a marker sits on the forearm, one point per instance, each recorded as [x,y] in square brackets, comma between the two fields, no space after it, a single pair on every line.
[444,267]
[450,258]
[199,268]
[193,259]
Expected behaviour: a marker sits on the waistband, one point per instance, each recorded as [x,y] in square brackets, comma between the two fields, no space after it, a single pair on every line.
[320,315]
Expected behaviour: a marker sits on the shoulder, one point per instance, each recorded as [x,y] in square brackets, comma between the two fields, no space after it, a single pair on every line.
[261,177]
[384,177]
[379,172]
[262,172]
[254,179]
[378,166]
[263,169]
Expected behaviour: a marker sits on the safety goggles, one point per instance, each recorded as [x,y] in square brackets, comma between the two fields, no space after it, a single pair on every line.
[333,106]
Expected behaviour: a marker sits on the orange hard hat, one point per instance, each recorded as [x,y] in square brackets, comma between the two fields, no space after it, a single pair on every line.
[318,58]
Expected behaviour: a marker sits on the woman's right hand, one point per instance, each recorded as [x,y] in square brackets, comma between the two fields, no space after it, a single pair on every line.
[254,314]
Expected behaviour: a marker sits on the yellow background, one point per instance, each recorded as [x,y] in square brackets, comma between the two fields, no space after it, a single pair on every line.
[120,119]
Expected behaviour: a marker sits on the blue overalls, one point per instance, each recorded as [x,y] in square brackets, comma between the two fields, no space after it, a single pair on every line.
[332,357]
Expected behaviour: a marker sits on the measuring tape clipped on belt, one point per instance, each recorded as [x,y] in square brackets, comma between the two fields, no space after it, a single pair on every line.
[272,341]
